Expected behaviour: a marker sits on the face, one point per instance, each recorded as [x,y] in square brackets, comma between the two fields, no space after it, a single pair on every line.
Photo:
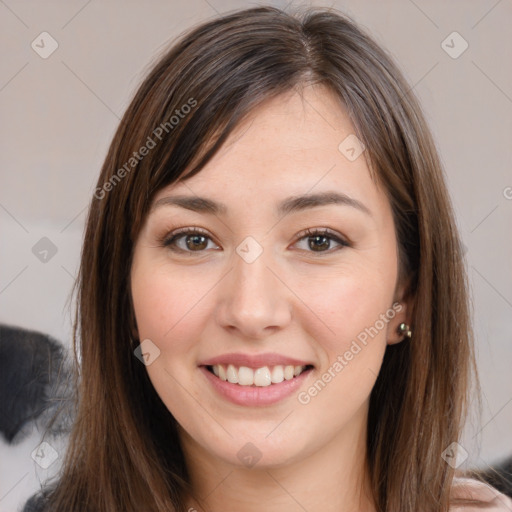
[236,278]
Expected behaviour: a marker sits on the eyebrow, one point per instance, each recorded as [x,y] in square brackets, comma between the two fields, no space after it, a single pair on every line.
[289,205]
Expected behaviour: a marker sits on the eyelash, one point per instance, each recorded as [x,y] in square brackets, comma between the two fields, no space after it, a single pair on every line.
[169,240]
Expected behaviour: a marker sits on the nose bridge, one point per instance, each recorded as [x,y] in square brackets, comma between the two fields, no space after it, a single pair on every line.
[252,299]
[251,274]
[251,278]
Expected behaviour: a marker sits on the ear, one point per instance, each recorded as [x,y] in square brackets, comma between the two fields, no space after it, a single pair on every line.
[403,307]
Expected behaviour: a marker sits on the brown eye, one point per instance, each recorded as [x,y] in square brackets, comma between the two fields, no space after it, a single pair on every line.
[190,240]
[322,240]
[194,242]
[319,243]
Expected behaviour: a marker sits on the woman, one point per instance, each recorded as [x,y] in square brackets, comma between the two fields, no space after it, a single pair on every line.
[272,299]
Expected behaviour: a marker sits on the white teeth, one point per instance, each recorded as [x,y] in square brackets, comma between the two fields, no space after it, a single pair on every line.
[288,372]
[277,374]
[245,376]
[232,374]
[261,377]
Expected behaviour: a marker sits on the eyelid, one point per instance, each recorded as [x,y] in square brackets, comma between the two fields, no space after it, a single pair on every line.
[169,237]
[325,232]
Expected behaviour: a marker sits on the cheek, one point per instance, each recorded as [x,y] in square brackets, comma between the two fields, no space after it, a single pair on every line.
[169,312]
[351,306]
[353,347]
[166,304]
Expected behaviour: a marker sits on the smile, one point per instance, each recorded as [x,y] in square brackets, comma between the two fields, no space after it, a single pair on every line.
[255,386]
[261,377]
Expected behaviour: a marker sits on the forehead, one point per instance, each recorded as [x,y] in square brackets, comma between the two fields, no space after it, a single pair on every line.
[289,145]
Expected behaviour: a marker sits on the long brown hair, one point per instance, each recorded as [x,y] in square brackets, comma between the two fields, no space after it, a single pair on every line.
[124,453]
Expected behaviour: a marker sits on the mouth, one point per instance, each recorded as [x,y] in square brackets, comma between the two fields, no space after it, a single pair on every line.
[255,387]
[257,377]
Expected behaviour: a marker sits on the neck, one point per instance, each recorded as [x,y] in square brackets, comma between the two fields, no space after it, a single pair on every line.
[333,478]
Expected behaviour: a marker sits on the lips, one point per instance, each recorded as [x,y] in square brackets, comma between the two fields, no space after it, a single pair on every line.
[255,380]
[255,395]
[255,361]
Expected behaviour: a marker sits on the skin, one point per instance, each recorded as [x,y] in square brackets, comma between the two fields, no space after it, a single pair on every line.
[292,300]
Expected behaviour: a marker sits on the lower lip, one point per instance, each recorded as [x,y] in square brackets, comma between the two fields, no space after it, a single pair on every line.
[255,395]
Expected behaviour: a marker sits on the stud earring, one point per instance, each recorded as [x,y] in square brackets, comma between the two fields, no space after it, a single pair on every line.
[404,330]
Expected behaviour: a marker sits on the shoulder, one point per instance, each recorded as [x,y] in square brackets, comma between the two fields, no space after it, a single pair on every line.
[470,495]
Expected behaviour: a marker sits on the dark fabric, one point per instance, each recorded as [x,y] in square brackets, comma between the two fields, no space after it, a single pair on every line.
[500,476]
[33,382]
[36,503]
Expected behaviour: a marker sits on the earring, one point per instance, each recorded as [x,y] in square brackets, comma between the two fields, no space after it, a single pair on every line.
[404,330]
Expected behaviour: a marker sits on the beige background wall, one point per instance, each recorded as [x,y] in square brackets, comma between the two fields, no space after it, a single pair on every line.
[58,115]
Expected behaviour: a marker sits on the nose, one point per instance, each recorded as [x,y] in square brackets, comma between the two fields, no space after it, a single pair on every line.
[253,302]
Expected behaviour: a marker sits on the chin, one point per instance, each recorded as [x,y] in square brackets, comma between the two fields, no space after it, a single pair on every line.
[261,450]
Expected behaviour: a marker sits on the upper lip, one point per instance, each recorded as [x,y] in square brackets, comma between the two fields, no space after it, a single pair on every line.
[254,361]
